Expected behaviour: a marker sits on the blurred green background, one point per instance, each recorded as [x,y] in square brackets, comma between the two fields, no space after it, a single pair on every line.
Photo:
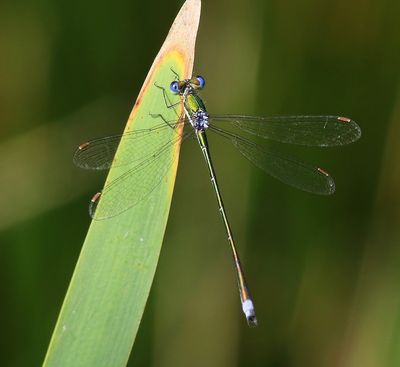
[324,271]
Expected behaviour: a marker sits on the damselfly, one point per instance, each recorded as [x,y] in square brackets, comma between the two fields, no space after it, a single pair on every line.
[321,131]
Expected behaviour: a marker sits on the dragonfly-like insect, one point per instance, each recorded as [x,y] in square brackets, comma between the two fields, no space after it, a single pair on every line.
[146,171]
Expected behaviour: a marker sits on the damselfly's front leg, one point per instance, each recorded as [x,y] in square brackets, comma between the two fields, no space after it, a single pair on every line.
[168,104]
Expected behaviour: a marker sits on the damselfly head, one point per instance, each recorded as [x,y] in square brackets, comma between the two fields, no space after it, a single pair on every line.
[180,86]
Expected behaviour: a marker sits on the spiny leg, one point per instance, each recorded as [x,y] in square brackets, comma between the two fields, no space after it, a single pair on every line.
[168,105]
[172,126]
[175,73]
[167,102]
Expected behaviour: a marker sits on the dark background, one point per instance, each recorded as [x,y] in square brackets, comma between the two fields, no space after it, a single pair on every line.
[324,271]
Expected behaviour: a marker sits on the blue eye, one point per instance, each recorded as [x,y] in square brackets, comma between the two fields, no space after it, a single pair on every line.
[174,87]
[201,80]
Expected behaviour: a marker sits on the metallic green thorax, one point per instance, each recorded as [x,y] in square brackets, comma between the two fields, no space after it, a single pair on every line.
[193,103]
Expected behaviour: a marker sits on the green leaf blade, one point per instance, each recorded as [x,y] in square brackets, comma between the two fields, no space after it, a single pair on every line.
[106,298]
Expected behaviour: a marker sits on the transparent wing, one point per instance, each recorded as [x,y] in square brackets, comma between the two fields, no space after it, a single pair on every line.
[135,184]
[322,131]
[98,154]
[297,174]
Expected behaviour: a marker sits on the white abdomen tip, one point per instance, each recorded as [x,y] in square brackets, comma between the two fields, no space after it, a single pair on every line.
[249,311]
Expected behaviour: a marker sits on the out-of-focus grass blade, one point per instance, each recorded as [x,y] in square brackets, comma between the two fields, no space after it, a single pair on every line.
[105,301]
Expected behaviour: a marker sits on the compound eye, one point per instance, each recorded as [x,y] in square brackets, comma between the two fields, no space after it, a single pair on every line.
[201,80]
[174,87]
